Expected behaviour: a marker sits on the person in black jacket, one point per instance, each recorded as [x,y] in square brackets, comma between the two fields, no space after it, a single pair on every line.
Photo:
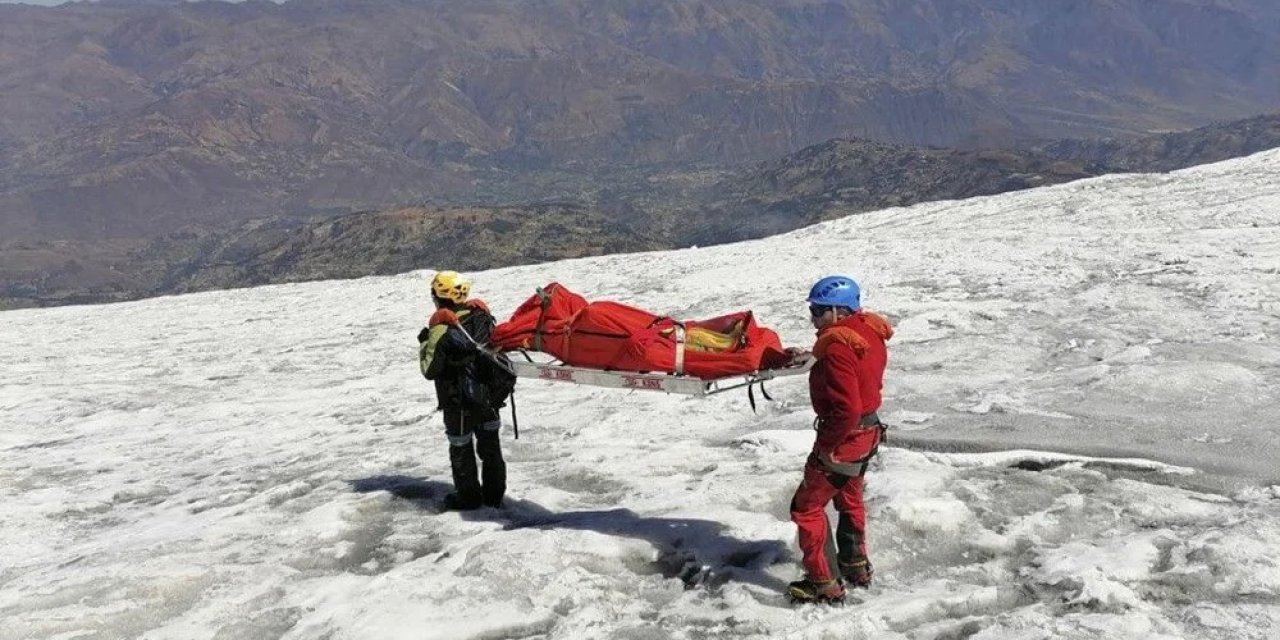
[448,353]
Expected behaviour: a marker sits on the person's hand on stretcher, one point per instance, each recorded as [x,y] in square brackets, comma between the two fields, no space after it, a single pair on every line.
[797,355]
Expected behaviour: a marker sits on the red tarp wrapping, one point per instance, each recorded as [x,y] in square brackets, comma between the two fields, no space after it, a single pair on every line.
[612,336]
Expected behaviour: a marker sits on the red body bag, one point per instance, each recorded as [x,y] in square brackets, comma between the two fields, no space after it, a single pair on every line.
[616,337]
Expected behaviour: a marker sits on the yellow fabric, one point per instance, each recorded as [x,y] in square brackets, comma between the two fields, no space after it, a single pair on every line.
[440,322]
[427,352]
[708,341]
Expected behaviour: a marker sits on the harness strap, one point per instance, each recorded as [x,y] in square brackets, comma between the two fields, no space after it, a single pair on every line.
[866,462]
[751,396]
[868,420]
[515,424]
[871,421]
[545,300]
[679,334]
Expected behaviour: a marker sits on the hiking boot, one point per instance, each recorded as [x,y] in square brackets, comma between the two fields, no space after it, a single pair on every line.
[812,591]
[857,573]
[455,502]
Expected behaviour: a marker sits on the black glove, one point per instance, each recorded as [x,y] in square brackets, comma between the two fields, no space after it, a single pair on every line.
[422,335]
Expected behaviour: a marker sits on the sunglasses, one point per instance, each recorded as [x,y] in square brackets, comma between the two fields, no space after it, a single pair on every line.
[818,310]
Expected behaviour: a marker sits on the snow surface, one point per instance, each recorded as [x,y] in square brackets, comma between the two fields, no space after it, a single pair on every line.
[266,463]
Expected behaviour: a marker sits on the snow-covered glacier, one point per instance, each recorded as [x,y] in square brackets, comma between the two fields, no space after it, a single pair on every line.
[1084,389]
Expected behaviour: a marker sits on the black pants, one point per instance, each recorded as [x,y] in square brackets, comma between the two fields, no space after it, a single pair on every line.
[470,433]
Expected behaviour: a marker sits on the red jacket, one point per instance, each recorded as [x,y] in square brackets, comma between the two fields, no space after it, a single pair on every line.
[845,384]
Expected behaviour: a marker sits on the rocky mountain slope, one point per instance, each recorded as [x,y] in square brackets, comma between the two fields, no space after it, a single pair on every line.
[290,250]
[1176,150]
[840,177]
[629,211]
[128,119]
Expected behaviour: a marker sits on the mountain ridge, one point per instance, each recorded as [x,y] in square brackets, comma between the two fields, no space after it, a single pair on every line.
[632,211]
[125,120]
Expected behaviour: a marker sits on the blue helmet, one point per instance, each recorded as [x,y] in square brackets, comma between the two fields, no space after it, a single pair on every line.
[836,291]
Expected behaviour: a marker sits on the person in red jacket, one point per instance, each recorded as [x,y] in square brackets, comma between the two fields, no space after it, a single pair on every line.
[844,387]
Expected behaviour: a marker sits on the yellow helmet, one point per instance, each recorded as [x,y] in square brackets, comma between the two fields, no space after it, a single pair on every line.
[450,285]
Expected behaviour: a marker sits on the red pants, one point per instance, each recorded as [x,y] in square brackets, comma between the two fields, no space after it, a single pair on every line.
[808,511]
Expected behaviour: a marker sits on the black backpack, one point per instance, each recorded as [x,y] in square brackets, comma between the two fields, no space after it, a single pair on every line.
[494,371]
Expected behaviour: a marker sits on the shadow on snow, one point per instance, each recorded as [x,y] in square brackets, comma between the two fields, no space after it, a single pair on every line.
[698,552]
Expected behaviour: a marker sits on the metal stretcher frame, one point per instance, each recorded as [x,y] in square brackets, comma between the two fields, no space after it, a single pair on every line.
[666,382]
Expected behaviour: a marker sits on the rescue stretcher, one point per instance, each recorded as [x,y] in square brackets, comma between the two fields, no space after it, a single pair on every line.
[612,345]
[683,384]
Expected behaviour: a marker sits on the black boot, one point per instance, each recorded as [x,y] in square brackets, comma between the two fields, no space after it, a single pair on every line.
[494,473]
[853,566]
[465,480]
[453,502]
[808,590]
[857,573]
